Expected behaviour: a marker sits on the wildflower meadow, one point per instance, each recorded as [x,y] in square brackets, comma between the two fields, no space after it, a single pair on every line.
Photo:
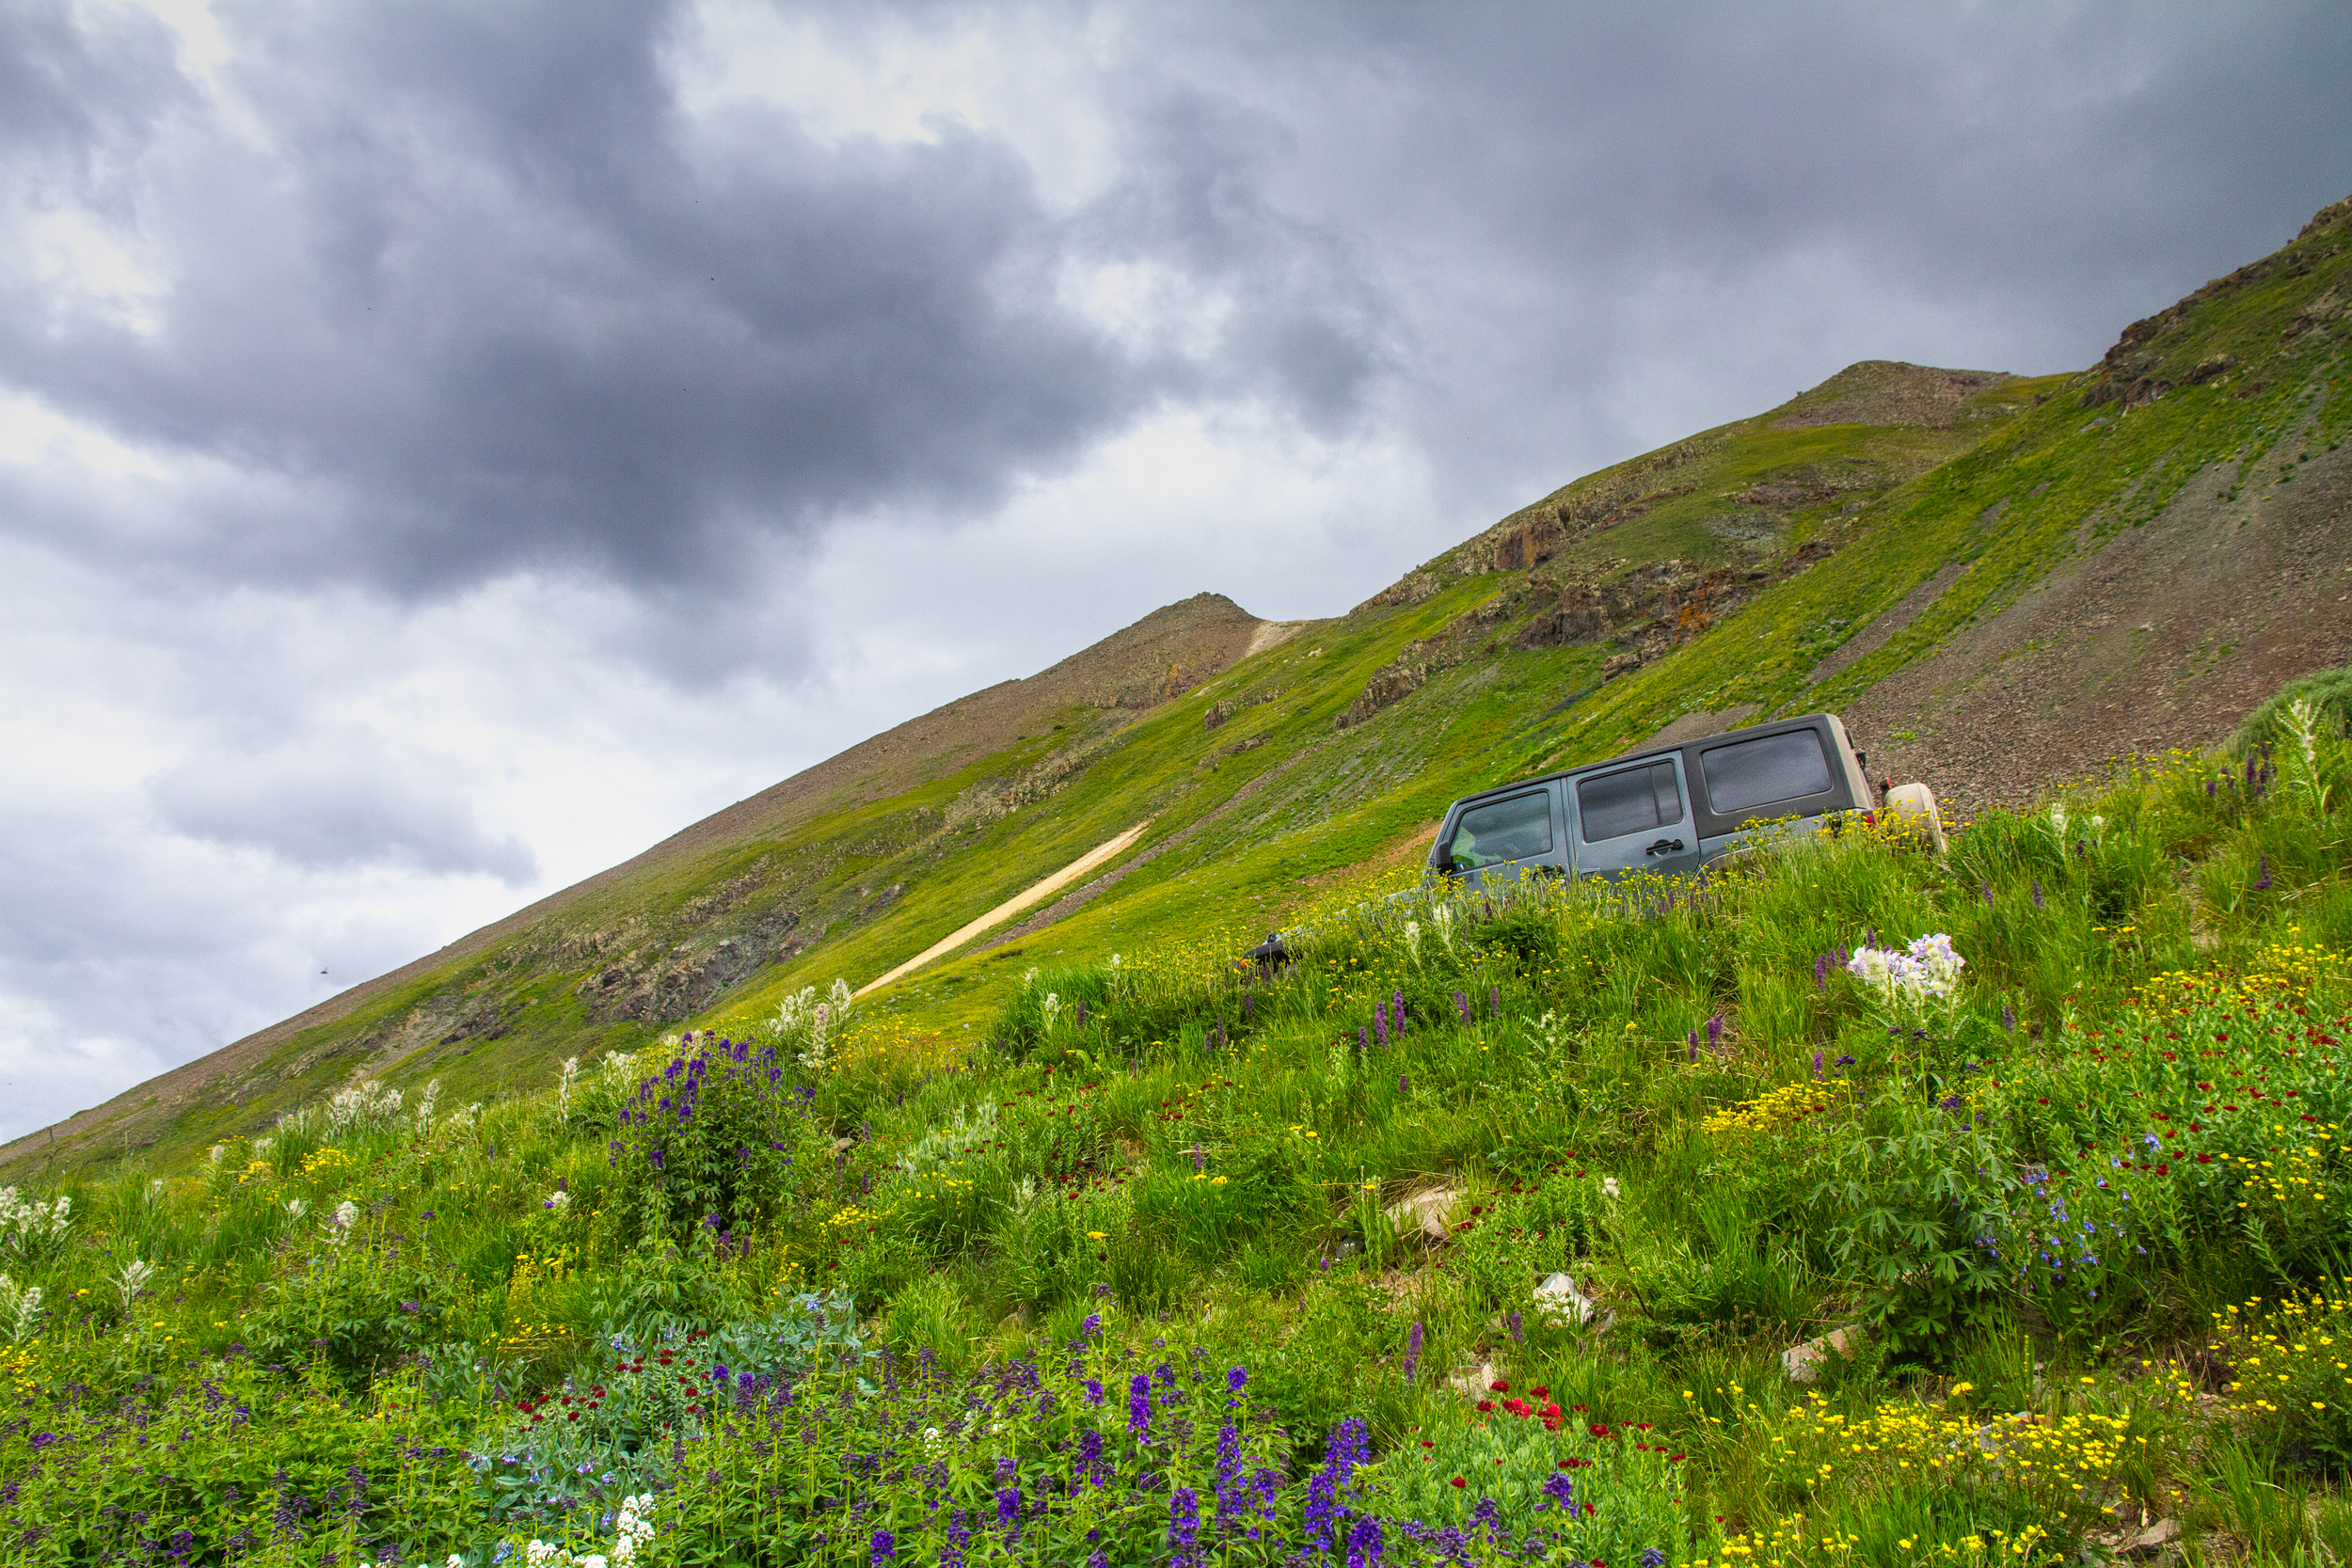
[1851,1204]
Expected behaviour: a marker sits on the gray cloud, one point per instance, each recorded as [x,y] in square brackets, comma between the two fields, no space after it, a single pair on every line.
[514,458]
[479,299]
[332,811]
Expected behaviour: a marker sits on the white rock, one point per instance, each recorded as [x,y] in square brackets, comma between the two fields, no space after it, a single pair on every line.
[1424,1211]
[1472,1382]
[1559,1303]
[1803,1363]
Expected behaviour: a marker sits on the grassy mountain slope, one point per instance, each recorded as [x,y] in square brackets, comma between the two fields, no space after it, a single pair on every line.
[1899,544]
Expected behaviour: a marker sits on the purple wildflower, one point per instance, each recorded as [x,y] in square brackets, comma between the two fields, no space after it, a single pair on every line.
[2264,885]
[1140,1407]
[1007,1496]
[1364,1544]
[1229,1492]
[2037,893]
[2008,1019]
[886,1547]
[1494,1001]
[1412,1352]
[1380,1023]
[1715,1031]
[1184,1528]
[1817,1064]
[1461,1004]
[1095,1384]
[1518,1336]
[1090,1468]
[1559,1491]
[1820,971]
[1399,1014]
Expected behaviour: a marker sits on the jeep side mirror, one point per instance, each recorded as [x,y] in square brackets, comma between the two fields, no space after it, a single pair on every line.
[1444,860]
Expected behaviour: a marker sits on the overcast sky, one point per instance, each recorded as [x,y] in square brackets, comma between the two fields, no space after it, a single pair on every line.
[446,448]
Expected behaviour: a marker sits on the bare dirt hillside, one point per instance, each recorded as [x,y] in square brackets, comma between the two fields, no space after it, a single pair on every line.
[2160,636]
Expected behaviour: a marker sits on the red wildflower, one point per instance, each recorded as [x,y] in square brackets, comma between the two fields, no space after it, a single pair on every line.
[1459,1481]
[1598,1429]
[1500,1385]
[1485,1404]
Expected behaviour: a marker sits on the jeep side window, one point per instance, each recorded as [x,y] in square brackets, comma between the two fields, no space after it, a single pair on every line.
[1633,802]
[1753,773]
[1512,830]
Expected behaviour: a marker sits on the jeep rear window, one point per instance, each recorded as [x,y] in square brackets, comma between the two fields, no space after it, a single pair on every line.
[1633,802]
[1751,773]
[1511,829]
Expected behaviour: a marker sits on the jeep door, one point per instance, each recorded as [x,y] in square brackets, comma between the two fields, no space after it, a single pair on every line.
[1634,817]
[1508,836]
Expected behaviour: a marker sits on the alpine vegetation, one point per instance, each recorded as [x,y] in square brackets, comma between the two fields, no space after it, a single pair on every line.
[1855,1204]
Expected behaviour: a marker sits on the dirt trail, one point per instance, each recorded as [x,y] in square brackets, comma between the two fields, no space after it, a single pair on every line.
[1013,905]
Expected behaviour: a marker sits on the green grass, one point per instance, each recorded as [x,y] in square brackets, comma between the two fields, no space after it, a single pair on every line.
[1673,1093]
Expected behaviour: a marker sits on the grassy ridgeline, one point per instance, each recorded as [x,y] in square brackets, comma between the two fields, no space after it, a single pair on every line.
[1148,1274]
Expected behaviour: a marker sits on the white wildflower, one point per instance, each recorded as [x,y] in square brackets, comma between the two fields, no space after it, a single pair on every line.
[1052,1006]
[564,1083]
[21,1306]
[1441,917]
[133,1279]
[1412,939]
[24,1222]
[1609,1187]
[219,1153]
[338,1224]
[296,1208]
[559,1200]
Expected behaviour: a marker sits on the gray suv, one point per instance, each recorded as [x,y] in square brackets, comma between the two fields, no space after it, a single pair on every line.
[1668,810]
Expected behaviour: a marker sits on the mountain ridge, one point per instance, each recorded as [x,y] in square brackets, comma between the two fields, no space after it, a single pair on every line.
[1923,549]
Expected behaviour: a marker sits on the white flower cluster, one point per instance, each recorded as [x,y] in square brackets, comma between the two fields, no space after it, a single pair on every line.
[361,1104]
[338,1224]
[631,1533]
[24,1222]
[948,1142]
[1914,975]
[19,1307]
[804,1021]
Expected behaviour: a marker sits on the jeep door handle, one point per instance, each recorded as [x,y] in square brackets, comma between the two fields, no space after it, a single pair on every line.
[1664,847]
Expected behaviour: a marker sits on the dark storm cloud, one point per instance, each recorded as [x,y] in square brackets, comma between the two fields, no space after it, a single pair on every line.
[333,812]
[482,308]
